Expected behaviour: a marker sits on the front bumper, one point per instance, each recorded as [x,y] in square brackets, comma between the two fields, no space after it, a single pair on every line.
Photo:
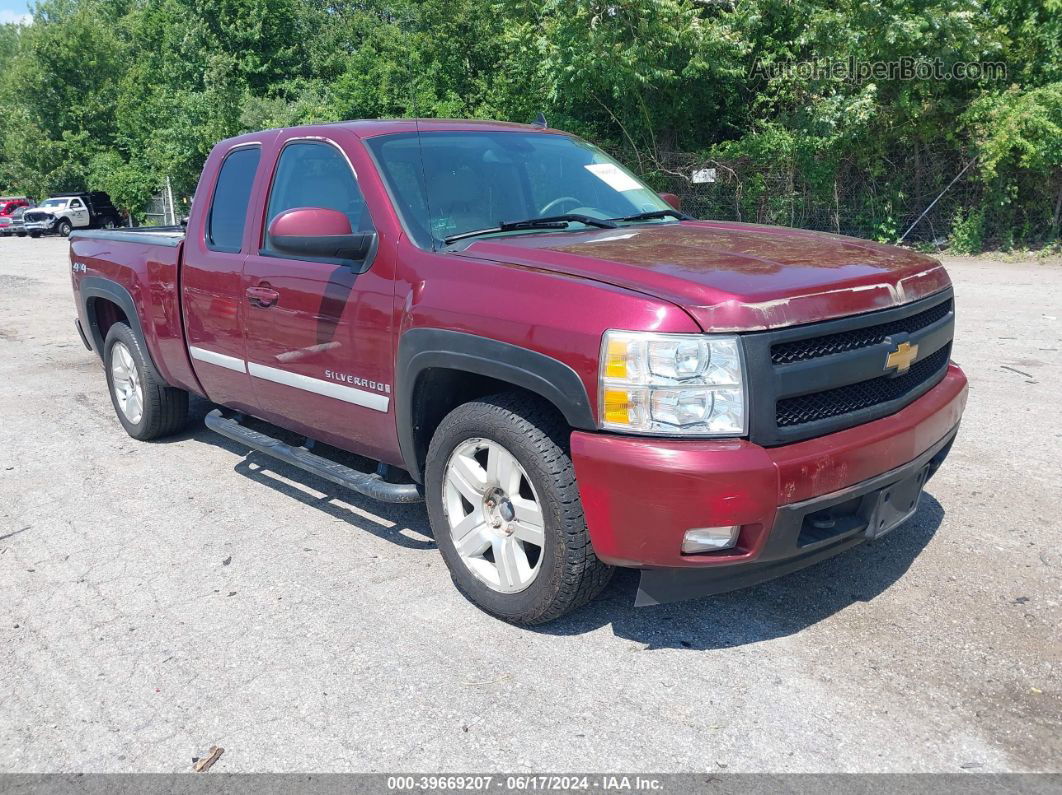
[641,495]
[38,226]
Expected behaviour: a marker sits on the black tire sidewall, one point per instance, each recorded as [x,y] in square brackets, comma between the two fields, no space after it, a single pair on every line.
[64,228]
[462,426]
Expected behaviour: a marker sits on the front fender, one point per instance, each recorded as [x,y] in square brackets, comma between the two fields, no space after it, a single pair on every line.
[422,349]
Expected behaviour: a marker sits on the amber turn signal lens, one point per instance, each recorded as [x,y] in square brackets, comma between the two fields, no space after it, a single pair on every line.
[617,406]
[616,359]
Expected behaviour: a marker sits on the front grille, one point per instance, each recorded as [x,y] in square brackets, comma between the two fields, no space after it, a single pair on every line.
[801,350]
[34,217]
[865,394]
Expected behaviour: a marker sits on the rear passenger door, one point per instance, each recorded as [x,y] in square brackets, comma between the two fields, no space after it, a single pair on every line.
[319,350]
[211,286]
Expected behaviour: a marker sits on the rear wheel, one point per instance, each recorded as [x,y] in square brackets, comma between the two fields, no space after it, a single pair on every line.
[505,510]
[64,227]
[108,223]
[146,406]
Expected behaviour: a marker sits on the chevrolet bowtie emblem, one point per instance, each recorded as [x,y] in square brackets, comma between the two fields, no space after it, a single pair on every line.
[901,358]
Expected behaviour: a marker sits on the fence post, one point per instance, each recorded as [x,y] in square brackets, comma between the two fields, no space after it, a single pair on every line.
[171,215]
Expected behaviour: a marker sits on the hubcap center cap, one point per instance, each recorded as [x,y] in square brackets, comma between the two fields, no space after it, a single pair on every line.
[499,511]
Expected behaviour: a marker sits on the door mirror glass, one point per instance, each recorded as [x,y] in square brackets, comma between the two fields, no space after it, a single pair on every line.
[318,233]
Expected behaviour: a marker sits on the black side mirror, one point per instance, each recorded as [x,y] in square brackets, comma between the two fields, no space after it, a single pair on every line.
[319,234]
[355,246]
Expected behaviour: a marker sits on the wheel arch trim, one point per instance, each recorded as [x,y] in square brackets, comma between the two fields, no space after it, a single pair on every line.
[96,287]
[424,349]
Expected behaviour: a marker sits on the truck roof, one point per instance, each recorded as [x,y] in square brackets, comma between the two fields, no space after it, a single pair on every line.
[369,128]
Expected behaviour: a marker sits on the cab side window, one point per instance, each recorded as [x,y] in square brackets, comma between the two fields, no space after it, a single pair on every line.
[75,204]
[228,209]
[315,174]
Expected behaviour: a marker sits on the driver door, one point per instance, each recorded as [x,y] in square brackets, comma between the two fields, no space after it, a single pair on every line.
[318,335]
[79,214]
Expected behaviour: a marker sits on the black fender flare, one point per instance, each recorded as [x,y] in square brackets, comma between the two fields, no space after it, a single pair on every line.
[98,287]
[421,349]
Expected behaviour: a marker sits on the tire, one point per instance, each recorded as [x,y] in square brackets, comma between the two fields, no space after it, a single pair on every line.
[107,222]
[64,227]
[564,571]
[163,409]
[34,235]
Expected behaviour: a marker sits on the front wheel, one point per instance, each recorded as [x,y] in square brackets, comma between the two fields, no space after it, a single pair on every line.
[505,510]
[146,406]
[64,228]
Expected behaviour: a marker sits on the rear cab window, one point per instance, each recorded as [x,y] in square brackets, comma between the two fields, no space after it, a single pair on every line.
[228,207]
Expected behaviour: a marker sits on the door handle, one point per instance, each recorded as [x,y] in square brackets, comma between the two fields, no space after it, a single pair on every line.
[263,297]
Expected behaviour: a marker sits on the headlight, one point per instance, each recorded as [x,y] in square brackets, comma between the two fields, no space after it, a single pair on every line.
[672,384]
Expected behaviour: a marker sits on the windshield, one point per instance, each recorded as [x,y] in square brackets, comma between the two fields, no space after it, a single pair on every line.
[54,203]
[448,183]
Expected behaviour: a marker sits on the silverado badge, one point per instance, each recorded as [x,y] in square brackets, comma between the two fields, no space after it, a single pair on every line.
[902,357]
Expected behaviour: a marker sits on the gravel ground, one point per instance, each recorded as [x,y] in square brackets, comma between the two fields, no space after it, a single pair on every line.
[162,598]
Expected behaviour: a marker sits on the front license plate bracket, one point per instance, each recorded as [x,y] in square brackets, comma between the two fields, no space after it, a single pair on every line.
[896,503]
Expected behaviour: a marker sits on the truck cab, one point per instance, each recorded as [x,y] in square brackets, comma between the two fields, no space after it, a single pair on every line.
[572,373]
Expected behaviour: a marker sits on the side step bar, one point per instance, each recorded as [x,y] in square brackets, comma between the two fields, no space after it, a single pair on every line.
[369,484]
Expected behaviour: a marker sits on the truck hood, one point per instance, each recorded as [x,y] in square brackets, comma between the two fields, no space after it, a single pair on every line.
[732,276]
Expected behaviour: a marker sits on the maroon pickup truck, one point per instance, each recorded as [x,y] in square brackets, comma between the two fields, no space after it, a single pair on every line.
[573,374]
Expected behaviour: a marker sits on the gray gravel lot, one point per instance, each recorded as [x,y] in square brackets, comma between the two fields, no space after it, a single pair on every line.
[161,598]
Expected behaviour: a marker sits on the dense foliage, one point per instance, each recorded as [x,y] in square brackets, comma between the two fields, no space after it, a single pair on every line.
[118,94]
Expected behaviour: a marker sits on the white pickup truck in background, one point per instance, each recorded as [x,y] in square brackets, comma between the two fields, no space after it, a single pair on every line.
[64,212]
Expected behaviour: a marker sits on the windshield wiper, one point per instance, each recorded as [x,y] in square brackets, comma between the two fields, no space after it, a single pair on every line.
[653,214]
[547,222]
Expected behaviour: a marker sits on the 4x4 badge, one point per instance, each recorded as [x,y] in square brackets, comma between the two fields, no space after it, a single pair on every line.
[902,357]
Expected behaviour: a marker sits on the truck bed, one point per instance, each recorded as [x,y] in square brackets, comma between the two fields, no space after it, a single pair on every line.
[152,235]
[137,269]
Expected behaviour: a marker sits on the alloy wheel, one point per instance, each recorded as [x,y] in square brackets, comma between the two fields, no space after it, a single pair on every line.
[125,380]
[494,516]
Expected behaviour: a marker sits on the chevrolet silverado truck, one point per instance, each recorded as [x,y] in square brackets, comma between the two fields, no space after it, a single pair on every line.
[510,326]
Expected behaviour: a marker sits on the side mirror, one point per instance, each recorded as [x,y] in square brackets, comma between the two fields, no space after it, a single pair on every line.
[673,200]
[318,233]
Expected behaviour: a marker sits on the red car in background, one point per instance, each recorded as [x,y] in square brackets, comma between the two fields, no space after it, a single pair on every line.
[13,224]
[8,205]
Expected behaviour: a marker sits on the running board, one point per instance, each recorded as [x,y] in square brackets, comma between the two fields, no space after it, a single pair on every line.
[369,484]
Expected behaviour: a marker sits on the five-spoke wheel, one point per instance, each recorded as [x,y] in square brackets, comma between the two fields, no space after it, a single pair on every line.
[128,393]
[505,509]
[146,405]
[494,515]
